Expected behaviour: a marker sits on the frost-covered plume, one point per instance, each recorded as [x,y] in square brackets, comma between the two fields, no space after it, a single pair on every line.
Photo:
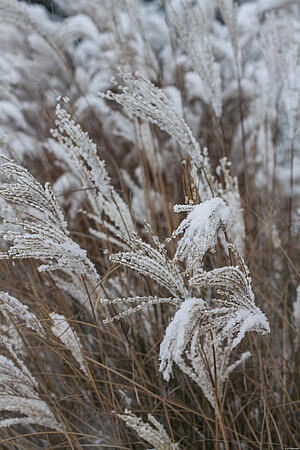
[18,310]
[202,335]
[80,154]
[43,231]
[291,93]
[280,43]
[19,395]
[8,215]
[190,343]
[153,262]
[271,42]
[192,33]
[152,431]
[202,227]
[142,302]
[63,331]
[235,310]
[229,12]
[148,102]
[230,193]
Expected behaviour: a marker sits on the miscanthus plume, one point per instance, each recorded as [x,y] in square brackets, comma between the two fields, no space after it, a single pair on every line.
[149,223]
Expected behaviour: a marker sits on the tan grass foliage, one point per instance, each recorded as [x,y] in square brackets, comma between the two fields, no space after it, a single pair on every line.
[149,224]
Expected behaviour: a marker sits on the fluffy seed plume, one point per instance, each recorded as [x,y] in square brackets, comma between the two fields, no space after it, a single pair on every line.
[63,331]
[21,312]
[43,231]
[201,228]
[152,432]
[148,102]
[80,155]
[19,395]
